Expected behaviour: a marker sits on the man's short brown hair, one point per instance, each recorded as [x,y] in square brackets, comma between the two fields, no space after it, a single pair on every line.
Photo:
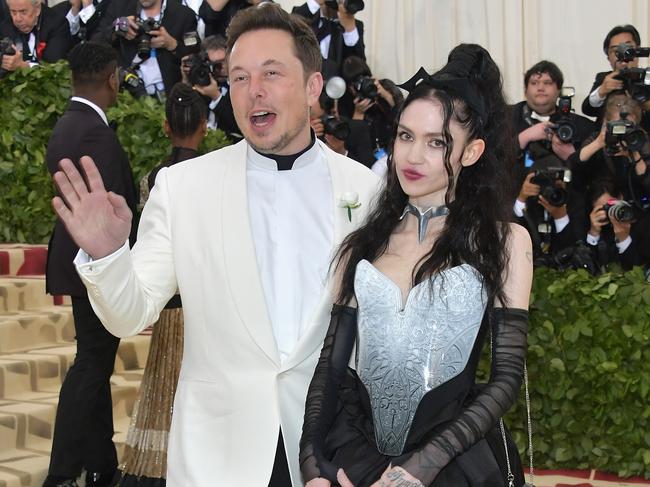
[272,16]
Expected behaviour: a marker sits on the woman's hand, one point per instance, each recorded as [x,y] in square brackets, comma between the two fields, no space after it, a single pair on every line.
[397,477]
[343,479]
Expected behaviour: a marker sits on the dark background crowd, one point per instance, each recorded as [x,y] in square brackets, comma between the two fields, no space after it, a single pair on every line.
[582,183]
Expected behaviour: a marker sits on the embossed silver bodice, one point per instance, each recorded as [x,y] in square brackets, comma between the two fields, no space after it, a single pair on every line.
[404,353]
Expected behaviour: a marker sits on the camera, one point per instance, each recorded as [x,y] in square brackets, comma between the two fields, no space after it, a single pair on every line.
[636,82]
[144,36]
[627,53]
[200,68]
[365,87]
[131,82]
[546,179]
[350,6]
[6,49]
[619,210]
[336,127]
[564,128]
[625,134]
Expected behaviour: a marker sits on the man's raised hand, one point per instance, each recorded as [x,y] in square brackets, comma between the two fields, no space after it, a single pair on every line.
[98,221]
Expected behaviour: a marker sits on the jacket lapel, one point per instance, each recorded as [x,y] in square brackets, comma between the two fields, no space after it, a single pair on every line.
[314,335]
[243,276]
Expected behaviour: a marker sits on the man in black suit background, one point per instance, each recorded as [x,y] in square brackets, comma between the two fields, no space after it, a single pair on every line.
[217,92]
[159,67]
[606,81]
[339,33]
[84,422]
[37,32]
[83,17]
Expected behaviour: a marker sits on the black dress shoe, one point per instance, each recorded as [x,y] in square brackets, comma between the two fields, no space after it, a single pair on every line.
[96,479]
[58,482]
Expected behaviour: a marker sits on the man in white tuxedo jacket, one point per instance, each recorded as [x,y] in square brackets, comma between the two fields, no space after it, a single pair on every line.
[246,234]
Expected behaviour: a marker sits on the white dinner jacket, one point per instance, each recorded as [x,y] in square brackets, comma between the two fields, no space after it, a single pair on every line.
[233,393]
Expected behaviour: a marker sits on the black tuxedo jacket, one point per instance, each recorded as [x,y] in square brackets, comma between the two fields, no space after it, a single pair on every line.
[638,252]
[52,34]
[4,11]
[225,117]
[216,23]
[338,51]
[587,109]
[81,131]
[90,29]
[177,20]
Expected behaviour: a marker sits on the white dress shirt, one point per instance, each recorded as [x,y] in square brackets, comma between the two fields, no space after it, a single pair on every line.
[349,38]
[292,221]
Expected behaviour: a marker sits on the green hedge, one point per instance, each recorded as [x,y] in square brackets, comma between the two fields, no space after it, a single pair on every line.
[32,101]
[589,370]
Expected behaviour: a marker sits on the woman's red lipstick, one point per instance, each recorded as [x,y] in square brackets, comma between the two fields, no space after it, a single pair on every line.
[412,175]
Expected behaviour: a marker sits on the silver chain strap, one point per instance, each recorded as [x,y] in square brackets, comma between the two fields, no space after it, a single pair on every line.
[529,427]
[529,424]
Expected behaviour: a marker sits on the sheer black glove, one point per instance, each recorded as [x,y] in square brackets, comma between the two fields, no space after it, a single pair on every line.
[321,404]
[509,329]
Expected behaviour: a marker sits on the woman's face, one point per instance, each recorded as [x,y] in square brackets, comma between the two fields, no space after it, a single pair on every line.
[418,153]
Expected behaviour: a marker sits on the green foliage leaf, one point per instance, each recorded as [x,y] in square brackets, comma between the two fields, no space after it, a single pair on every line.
[36,99]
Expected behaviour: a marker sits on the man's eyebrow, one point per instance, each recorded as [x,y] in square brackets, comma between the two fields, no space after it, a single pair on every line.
[268,62]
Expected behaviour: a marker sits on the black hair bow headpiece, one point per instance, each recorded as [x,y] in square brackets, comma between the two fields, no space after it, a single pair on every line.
[460,87]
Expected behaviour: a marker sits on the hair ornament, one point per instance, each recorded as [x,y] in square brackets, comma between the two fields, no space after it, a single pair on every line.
[458,86]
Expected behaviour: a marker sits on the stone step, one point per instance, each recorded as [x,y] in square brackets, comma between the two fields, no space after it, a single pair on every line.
[41,371]
[21,331]
[23,294]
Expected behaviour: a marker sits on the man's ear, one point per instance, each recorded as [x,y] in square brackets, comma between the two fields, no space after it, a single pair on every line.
[472,152]
[314,87]
[167,129]
[113,81]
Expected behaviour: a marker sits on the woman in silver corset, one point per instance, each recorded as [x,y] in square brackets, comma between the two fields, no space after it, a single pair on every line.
[435,273]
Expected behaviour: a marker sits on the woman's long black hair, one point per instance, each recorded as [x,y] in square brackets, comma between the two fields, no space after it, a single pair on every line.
[480,203]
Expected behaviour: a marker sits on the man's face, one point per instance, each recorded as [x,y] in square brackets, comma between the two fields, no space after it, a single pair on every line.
[24,15]
[269,93]
[146,4]
[218,59]
[542,93]
[623,38]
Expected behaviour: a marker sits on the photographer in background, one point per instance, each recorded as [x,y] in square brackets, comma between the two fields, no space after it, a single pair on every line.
[547,132]
[83,17]
[207,72]
[339,33]
[368,99]
[148,35]
[618,233]
[217,14]
[618,151]
[343,135]
[31,34]
[608,81]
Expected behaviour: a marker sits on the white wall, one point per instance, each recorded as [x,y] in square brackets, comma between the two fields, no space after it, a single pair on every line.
[402,35]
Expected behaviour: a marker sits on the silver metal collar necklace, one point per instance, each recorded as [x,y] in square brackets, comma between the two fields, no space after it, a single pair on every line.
[424,216]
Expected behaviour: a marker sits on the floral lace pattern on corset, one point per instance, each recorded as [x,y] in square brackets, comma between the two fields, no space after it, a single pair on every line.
[404,353]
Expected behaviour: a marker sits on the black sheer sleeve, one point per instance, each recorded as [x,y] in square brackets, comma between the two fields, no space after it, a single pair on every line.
[509,329]
[321,402]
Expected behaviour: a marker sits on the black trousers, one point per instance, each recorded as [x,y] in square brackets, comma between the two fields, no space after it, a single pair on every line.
[280,476]
[83,431]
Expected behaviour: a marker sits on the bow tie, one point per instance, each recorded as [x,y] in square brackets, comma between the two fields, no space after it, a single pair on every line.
[537,116]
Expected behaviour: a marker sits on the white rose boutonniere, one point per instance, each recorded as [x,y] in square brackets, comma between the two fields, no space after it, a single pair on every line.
[350,201]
